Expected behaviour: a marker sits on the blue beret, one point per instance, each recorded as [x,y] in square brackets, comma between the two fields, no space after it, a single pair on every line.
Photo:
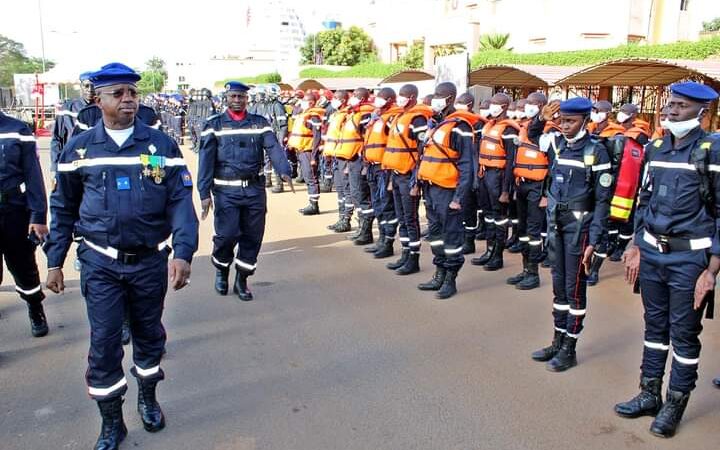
[577,105]
[236,86]
[114,73]
[694,91]
[85,76]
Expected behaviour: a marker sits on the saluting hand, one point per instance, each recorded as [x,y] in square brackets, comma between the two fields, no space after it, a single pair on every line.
[206,205]
[56,281]
[631,260]
[179,273]
[550,110]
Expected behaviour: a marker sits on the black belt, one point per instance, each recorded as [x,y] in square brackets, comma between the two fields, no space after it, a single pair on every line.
[5,196]
[574,205]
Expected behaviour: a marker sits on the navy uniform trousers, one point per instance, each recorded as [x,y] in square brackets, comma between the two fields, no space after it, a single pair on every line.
[497,213]
[530,218]
[310,174]
[407,211]
[359,188]
[341,180]
[475,206]
[382,200]
[667,283]
[239,220]
[447,233]
[19,255]
[109,287]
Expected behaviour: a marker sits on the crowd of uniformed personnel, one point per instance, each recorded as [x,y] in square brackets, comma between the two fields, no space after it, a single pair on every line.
[566,184]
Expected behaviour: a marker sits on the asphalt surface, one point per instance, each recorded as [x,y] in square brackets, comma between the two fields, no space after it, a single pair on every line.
[338,353]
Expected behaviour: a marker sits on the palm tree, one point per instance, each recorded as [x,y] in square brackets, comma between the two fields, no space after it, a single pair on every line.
[495,41]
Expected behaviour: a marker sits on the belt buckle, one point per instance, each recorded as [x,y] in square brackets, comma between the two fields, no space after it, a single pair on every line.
[129,258]
[663,244]
[562,207]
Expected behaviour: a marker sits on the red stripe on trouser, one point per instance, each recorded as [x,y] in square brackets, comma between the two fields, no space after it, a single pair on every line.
[577,279]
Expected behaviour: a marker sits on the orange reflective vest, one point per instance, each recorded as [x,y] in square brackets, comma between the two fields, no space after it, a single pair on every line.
[401,153]
[301,136]
[438,162]
[611,130]
[531,163]
[351,140]
[639,128]
[492,147]
[376,137]
[628,179]
[467,116]
[334,131]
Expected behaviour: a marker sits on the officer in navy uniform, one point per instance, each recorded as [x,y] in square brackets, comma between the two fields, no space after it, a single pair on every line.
[232,149]
[123,187]
[676,254]
[23,214]
[578,208]
[66,116]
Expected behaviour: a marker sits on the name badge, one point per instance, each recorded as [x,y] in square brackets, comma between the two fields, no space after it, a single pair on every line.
[123,183]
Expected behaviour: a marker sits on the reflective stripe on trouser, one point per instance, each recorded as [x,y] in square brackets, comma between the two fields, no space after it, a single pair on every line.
[569,279]
[667,283]
[359,188]
[406,210]
[497,212]
[310,174]
[19,255]
[382,200]
[241,222]
[342,186]
[475,201]
[108,287]
[446,228]
[530,218]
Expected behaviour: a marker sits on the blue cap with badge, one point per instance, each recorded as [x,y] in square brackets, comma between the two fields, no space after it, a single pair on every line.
[577,105]
[236,86]
[694,91]
[114,73]
[85,76]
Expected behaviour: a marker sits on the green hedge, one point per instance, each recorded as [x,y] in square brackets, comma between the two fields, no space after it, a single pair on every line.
[679,50]
[263,78]
[364,70]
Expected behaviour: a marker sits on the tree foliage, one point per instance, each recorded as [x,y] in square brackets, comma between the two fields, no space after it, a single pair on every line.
[415,57]
[448,49]
[263,78]
[13,59]
[339,47]
[496,41]
[713,25]
[156,64]
[153,78]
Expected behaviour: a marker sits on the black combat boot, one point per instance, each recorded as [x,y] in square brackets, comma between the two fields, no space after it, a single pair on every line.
[113,430]
[333,226]
[469,245]
[400,262]
[517,247]
[515,279]
[343,225]
[481,233]
[241,287]
[148,407]
[594,276]
[565,358]
[365,236]
[385,250]
[435,282]
[669,416]
[277,184]
[38,321]
[547,353]
[531,280]
[373,248]
[326,187]
[354,235]
[448,288]
[221,280]
[312,209]
[412,264]
[647,403]
[485,257]
[496,259]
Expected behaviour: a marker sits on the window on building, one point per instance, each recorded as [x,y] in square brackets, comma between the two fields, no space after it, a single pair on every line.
[684,5]
[594,35]
[181,78]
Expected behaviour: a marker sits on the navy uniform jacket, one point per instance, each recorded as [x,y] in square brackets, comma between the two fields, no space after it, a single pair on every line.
[670,202]
[21,179]
[577,179]
[89,116]
[65,120]
[234,150]
[104,196]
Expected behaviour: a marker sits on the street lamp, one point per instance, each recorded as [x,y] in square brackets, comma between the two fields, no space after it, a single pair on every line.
[42,34]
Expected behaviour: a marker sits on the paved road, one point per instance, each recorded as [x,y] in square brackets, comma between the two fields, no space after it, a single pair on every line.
[337,353]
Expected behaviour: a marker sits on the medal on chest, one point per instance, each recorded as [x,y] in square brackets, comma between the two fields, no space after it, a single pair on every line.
[153,167]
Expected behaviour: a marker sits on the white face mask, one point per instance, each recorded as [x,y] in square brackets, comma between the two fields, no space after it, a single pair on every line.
[304,105]
[511,114]
[461,107]
[379,102]
[438,104]
[682,129]
[402,101]
[531,110]
[495,109]
[484,113]
[598,117]
[577,137]
[354,101]
[336,103]
[520,114]
[664,123]
[622,117]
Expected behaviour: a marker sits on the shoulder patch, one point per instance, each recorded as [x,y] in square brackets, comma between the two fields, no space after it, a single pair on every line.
[606,180]
[186,178]
[705,145]
[658,143]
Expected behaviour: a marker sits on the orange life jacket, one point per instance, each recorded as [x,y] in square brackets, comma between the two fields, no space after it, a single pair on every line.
[334,131]
[639,127]
[437,164]
[376,138]
[531,163]
[492,147]
[401,153]
[467,116]
[301,136]
[351,140]
[628,179]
